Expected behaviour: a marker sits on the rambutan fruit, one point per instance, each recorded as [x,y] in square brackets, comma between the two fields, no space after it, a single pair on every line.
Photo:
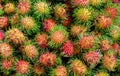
[103,22]
[3,22]
[76,30]
[30,51]
[111,11]
[101,73]
[116,1]
[42,40]
[14,19]
[24,6]
[38,69]
[1,7]
[5,50]
[68,48]
[47,59]
[58,36]
[22,67]
[80,2]
[1,35]
[95,2]
[60,11]
[115,47]
[67,22]
[92,58]
[78,67]
[60,71]
[87,42]
[49,24]
[82,14]
[15,35]
[9,8]
[109,61]
[29,24]
[42,8]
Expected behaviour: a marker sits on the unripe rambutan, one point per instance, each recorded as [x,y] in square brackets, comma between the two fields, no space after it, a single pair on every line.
[31,51]
[3,22]
[7,63]
[60,71]
[1,35]
[49,24]
[60,12]
[115,47]
[5,50]
[86,42]
[80,2]
[82,14]
[76,30]
[41,40]
[14,19]
[109,61]
[95,2]
[9,8]
[47,59]
[16,36]
[103,22]
[78,67]
[22,67]
[92,57]
[102,74]
[24,6]
[68,48]
[38,70]
[104,45]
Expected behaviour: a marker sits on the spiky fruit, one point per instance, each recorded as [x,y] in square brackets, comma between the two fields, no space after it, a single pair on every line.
[82,14]
[76,30]
[103,22]
[22,67]
[92,57]
[112,12]
[14,19]
[60,71]
[104,45]
[41,40]
[60,12]
[49,24]
[109,61]
[24,6]
[67,22]
[16,36]
[115,1]
[80,2]
[47,59]
[38,70]
[116,47]
[68,48]
[1,7]
[86,42]
[78,67]
[7,63]
[1,35]
[102,73]
[9,8]
[31,51]
[5,50]
[95,2]
[3,22]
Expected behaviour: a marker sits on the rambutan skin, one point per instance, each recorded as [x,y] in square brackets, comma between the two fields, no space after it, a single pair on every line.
[5,50]
[112,12]
[68,48]
[95,2]
[24,7]
[38,69]
[1,35]
[49,24]
[22,67]
[14,19]
[47,59]
[104,45]
[80,2]
[60,71]
[9,8]
[116,47]
[86,42]
[3,22]
[102,74]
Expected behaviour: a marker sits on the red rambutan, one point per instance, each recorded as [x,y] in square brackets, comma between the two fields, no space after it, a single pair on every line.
[104,45]
[3,22]
[38,70]
[116,47]
[60,71]
[112,12]
[1,35]
[80,2]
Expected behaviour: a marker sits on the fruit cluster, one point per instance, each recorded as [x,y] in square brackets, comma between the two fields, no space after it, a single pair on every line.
[59,38]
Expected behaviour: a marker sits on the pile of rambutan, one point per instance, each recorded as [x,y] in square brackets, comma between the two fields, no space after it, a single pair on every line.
[59,37]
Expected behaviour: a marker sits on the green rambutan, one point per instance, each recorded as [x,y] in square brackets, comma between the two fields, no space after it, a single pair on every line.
[14,19]
[9,8]
[24,6]
[96,2]
[3,22]
[82,14]
[60,71]
[101,73]
[47,59]
[78,67]
[15,35]
[38,69]
[5,50]
[80,2]
[22,67]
